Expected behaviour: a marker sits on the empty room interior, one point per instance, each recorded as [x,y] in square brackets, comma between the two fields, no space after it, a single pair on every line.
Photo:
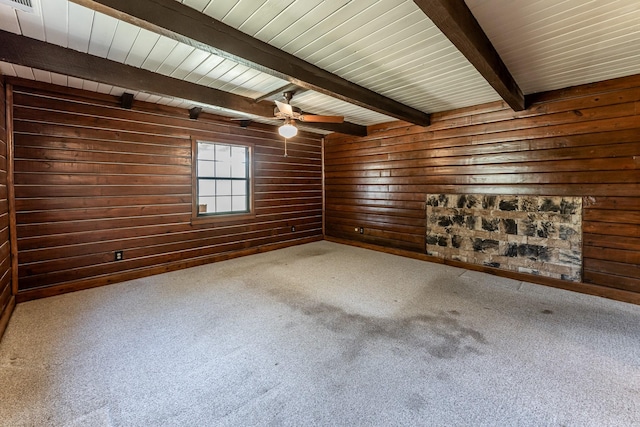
[308,212]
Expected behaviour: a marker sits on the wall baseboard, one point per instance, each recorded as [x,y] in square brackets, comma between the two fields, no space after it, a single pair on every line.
[585,288]
[580,287]
[31,294]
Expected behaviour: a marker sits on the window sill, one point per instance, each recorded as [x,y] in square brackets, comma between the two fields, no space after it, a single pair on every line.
[211,219]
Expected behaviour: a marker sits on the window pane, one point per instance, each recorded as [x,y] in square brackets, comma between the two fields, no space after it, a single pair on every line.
[239,162]
[223,204]
[239,188]
[223,169]
[206,168]
[223,152]
[239,152]
[239,170]
[239,203]
[223,161]
[206,187]
[206,151]
[223,187]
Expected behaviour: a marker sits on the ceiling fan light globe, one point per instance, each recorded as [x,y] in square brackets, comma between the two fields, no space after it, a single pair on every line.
[288,130]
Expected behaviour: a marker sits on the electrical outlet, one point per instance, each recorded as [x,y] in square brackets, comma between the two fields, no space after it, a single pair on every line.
[361,230]
[119,255]
[293,228]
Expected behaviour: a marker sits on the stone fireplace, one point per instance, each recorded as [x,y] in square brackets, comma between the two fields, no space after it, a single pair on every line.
[539,235]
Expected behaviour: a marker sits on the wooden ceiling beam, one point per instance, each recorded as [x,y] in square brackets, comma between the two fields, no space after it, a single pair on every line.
[347,128]
[458,24]
[34,53]
[184,24]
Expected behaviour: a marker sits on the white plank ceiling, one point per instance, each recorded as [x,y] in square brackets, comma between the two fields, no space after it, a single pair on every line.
[552,44]
[388,46]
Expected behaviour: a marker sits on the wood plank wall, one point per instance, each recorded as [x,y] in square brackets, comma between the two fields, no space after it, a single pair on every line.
[611,233]
[7,301]
[92,178]
[582,141]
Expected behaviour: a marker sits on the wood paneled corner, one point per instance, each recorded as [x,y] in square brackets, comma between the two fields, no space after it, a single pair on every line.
[92,178]
[582,142]
[7,297]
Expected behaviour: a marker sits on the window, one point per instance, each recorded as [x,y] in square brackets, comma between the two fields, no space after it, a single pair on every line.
[222,179]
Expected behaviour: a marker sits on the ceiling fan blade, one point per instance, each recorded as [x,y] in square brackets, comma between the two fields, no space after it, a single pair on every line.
[285,108]
[312,118]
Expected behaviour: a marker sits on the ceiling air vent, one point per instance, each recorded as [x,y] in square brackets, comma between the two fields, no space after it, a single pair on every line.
[29,6]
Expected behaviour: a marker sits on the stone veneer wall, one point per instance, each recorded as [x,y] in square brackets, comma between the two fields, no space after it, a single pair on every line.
[528,234]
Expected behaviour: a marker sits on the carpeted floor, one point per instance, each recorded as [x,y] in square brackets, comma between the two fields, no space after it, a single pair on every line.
[321,334]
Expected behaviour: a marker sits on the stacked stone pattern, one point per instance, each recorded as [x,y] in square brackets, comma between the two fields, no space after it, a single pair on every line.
[539,235]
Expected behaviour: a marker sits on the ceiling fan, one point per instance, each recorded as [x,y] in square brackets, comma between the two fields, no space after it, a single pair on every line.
[284,110]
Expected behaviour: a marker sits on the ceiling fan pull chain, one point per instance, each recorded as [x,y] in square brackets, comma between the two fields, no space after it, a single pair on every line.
[285,148]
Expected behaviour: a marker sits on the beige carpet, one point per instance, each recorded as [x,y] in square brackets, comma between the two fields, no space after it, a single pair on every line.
[321,334]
